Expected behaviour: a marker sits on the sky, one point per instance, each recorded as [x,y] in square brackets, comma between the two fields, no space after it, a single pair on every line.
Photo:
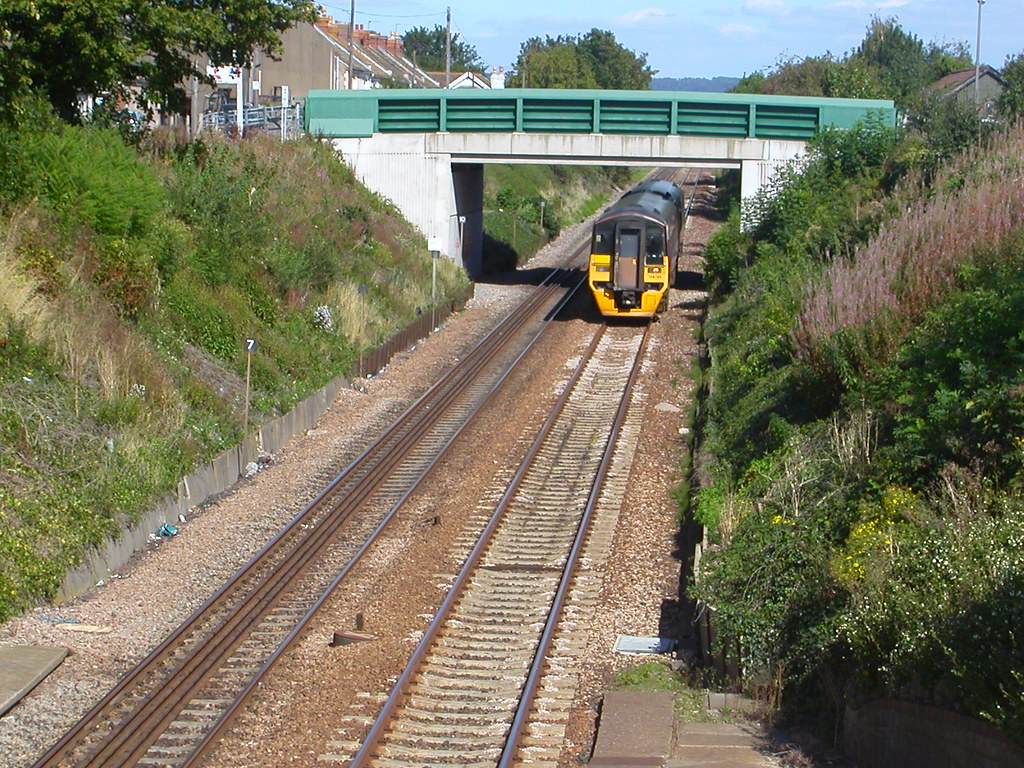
[687,38]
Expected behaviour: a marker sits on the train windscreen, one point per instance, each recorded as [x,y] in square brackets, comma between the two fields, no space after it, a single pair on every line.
[655,245]
[604,240]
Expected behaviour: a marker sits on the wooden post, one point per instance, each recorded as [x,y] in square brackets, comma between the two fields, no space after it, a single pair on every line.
[250,345]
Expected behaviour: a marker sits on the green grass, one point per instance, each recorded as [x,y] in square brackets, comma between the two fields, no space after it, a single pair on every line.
[690,702]
[129,282]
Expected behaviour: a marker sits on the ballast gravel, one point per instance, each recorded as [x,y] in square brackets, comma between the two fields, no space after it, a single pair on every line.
[318,694]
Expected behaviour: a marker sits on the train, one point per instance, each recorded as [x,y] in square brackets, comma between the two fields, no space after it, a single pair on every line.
[635,249]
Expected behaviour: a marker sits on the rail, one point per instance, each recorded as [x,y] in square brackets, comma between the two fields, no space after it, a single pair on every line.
[131,719]
[563,428]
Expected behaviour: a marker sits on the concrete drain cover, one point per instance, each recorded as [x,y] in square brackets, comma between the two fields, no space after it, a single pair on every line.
[634,644]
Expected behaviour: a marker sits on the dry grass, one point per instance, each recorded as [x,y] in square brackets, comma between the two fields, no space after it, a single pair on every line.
[869,301]
[354,314]
[85,336]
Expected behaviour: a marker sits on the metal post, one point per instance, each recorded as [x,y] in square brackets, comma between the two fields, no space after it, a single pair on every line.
[286,96]
[433,290]
[977,57]
[448,51]
[351,30]
[239,109]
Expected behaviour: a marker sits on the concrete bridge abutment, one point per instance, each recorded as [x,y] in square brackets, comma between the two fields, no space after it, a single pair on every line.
[436,179]
[441,198]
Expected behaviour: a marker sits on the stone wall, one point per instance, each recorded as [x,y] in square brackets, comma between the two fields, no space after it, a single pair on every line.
[885,733]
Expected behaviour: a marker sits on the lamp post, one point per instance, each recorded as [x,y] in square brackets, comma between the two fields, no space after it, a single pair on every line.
[977,57]
[351,34]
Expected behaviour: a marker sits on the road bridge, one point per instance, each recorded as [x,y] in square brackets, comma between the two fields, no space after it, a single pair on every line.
[424,149]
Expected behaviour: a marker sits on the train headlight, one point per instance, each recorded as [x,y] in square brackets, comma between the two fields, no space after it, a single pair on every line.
[654,270]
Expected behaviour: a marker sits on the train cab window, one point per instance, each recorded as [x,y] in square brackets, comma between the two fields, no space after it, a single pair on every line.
[604,240]
[655,246]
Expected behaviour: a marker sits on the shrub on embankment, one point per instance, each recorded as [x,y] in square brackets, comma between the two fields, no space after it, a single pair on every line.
[864,454]
[129,281]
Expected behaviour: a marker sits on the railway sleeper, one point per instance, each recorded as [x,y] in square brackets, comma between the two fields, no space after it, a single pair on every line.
[428,690]
[436,758]
[431,726]
[451,707]
[413,746]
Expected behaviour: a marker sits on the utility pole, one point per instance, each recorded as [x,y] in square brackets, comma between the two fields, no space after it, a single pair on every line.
[977,57]
[351,30]
[448,50]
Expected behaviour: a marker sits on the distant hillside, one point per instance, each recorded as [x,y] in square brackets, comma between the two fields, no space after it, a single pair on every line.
[707,84]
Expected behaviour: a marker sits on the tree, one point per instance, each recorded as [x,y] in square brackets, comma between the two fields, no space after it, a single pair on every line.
[552,63]
[1011,100]
[594,60]
[905,64]
[67,48]
[613,65]
[426,47]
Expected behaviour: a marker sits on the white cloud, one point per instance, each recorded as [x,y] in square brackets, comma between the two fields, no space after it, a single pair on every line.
[766,7]
[735,29]
[642,15]
[860,5]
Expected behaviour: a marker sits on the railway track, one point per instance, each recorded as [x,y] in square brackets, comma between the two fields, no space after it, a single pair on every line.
[170,709]
[467,694]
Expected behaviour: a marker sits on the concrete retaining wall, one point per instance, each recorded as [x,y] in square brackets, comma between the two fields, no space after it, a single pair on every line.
[209,480]
[886,733]
[225,470]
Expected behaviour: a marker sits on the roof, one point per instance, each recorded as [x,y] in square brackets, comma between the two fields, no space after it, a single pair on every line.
[374,55]
[956,81]
[468,79]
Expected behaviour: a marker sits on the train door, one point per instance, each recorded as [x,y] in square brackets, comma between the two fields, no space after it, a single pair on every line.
[628,265]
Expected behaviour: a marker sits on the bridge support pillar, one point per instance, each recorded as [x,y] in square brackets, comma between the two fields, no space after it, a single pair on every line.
[468,179]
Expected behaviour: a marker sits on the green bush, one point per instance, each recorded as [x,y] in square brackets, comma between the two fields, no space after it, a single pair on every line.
[199,315]
[864,502]
[62,167]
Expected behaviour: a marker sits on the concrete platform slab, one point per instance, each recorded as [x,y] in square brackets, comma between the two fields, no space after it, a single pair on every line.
[636,730]
[710,745]
[22,667]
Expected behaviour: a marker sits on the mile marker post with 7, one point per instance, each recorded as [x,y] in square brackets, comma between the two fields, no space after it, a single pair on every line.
[250,345]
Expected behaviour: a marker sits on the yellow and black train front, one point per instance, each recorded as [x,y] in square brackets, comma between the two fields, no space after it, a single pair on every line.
[634,251]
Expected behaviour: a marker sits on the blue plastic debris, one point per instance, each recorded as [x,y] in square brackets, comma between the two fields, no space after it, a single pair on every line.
[57,619]
[167,530]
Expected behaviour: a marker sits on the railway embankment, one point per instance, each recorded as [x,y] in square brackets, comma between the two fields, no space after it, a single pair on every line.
[131,278]
[861,458]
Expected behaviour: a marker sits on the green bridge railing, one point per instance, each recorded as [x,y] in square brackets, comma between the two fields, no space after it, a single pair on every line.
[340,114]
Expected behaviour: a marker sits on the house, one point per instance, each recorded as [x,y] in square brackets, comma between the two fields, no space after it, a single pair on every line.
[317,56]
[312,56]
[472,79]
[960,86]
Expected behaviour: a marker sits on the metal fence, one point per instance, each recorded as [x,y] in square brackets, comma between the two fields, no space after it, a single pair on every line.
[267,119]
[375,359]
